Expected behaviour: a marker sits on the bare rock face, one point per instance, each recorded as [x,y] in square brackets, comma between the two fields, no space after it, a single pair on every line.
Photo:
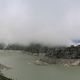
[76,63]
[38,62]
[4,67]
[4,78]
[66,65]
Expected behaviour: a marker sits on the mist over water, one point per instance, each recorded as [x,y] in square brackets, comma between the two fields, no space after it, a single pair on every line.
[51,22]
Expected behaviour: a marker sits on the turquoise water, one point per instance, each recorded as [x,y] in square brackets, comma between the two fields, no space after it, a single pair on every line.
[22,68]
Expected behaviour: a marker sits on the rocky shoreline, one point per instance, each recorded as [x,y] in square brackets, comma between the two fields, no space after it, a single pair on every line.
[48,61]
[2,77]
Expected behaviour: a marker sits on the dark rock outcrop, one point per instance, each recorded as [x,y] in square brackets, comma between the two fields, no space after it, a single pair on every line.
[4,78]
[72,52]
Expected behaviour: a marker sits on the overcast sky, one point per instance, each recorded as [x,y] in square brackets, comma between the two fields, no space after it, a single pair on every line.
[44,21]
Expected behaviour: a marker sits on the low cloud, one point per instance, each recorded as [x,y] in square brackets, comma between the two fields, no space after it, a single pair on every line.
[27,21]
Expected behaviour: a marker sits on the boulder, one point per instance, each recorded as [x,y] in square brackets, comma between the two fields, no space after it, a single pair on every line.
[76,63]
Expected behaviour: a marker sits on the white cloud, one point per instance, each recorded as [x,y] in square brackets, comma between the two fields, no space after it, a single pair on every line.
[25,22]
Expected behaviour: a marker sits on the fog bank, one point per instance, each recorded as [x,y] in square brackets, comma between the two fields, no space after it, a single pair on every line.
[41,21]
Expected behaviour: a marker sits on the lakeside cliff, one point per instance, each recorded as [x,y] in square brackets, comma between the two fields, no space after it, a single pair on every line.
[60,52]
[57,54]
